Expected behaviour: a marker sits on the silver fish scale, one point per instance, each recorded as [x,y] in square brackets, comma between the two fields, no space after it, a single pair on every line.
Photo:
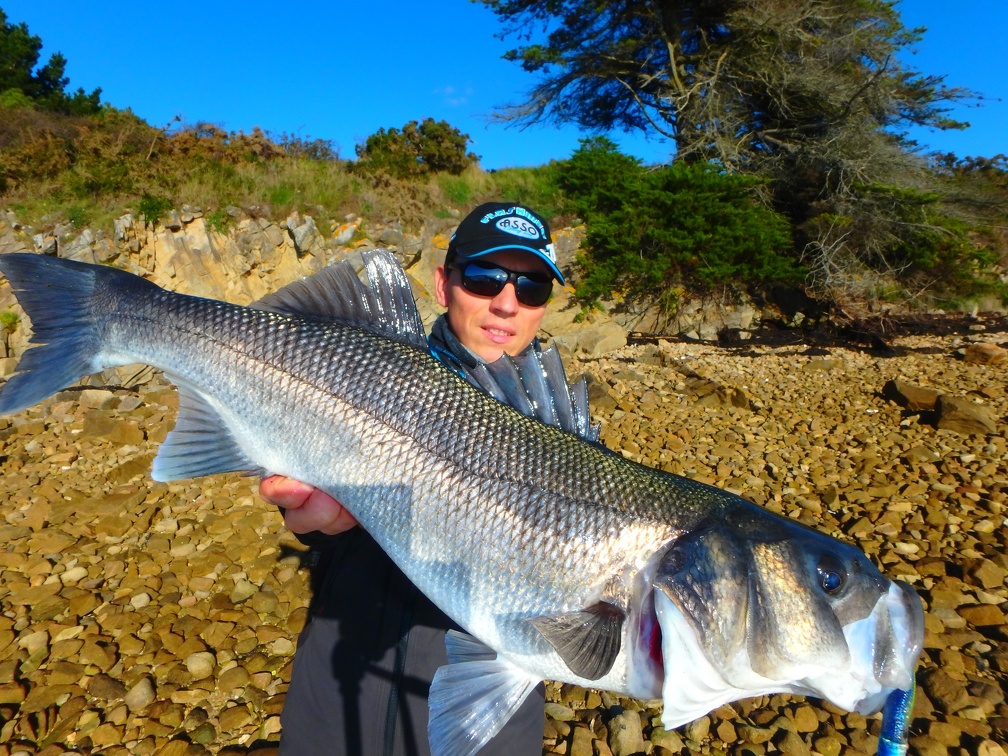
[423,460]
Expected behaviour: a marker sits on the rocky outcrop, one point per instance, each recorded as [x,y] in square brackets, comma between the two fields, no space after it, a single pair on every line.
[948,412]
[911,397]
[253,256]
[985,353]
[964,416]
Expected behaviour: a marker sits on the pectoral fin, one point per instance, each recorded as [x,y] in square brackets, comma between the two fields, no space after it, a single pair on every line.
[588,641]
[472,697]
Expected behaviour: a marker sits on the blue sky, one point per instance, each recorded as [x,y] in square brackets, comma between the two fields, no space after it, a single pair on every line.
[340,70]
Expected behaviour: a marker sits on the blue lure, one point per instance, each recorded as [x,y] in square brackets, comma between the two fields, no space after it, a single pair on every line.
[896,722]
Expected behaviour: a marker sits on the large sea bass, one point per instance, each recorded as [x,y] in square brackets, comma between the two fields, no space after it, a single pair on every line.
[569,561]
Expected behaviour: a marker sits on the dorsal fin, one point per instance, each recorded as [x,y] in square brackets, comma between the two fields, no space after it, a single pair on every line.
[383,304]
[582,418]
[534,383]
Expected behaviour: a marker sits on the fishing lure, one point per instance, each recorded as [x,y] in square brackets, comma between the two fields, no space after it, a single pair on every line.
[896,722]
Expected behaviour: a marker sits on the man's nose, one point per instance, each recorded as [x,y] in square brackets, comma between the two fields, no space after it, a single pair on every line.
[506,300]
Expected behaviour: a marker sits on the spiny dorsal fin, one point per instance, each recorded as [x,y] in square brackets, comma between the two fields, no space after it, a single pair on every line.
[588,641]
[383,304]
[534,383]
[582,417]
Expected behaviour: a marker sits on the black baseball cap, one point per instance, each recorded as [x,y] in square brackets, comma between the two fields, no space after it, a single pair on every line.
[498,226]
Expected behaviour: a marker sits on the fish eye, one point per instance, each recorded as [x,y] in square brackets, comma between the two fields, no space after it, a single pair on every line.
[831,579]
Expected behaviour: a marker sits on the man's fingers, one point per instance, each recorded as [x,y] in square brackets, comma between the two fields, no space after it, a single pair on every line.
[306,508]
[285,492]
[319,512]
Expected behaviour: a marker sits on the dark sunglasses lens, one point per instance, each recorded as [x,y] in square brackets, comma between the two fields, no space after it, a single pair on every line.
[484,282]
[488,281]
[532,292]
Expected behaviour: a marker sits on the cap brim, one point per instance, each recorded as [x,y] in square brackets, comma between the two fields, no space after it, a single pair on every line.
[537,253]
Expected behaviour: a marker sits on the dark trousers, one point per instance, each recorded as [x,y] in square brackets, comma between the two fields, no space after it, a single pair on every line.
[365,661]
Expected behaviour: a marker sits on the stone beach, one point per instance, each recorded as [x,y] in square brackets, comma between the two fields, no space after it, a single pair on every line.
[144,618]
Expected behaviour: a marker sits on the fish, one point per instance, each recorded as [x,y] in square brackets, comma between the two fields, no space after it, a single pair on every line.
[562,559]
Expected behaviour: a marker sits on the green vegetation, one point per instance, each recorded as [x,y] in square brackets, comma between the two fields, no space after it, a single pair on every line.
[871,222]
[24,84]
[153,209]
[219,221]
[93,168]
[9,320]
[418,149]
[817,103]
[78,215]
[653,233]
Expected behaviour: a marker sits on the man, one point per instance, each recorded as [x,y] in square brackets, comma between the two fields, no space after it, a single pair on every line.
[373,642]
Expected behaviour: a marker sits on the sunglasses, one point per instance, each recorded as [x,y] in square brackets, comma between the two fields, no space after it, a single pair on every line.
[486,280]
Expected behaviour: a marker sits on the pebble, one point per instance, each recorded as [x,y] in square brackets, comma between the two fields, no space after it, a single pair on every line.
[235,677]
[234,718]
[990,748]
[242,591]
[805,719]
[200,664]
[106,688]
[140,695]
[625,737]
[73,575]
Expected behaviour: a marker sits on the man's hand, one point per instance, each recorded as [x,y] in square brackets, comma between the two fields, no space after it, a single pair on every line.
[306,508]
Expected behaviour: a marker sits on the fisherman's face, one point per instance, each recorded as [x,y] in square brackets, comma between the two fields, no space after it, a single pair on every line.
[491,326]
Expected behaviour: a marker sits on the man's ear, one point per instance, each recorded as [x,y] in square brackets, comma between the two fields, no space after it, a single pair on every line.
[441,285]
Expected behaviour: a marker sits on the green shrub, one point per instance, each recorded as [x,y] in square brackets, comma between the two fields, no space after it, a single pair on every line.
[281,196]
[15,98]
[418,149]
[219,220]
[153,208]
[79,215]
[305,147]
[896,243]
[98,177]
[651,232]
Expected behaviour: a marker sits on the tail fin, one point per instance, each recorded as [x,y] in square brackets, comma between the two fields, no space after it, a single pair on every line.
[58,296]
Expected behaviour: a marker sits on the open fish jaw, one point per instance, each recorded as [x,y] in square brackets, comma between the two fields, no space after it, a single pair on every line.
[882,649]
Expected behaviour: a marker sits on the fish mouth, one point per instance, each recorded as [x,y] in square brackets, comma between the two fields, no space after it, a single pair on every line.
[885,647]
[906,619]
[692,686]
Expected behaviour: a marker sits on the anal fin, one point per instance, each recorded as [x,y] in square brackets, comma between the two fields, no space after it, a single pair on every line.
[472,697]
[588,640]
